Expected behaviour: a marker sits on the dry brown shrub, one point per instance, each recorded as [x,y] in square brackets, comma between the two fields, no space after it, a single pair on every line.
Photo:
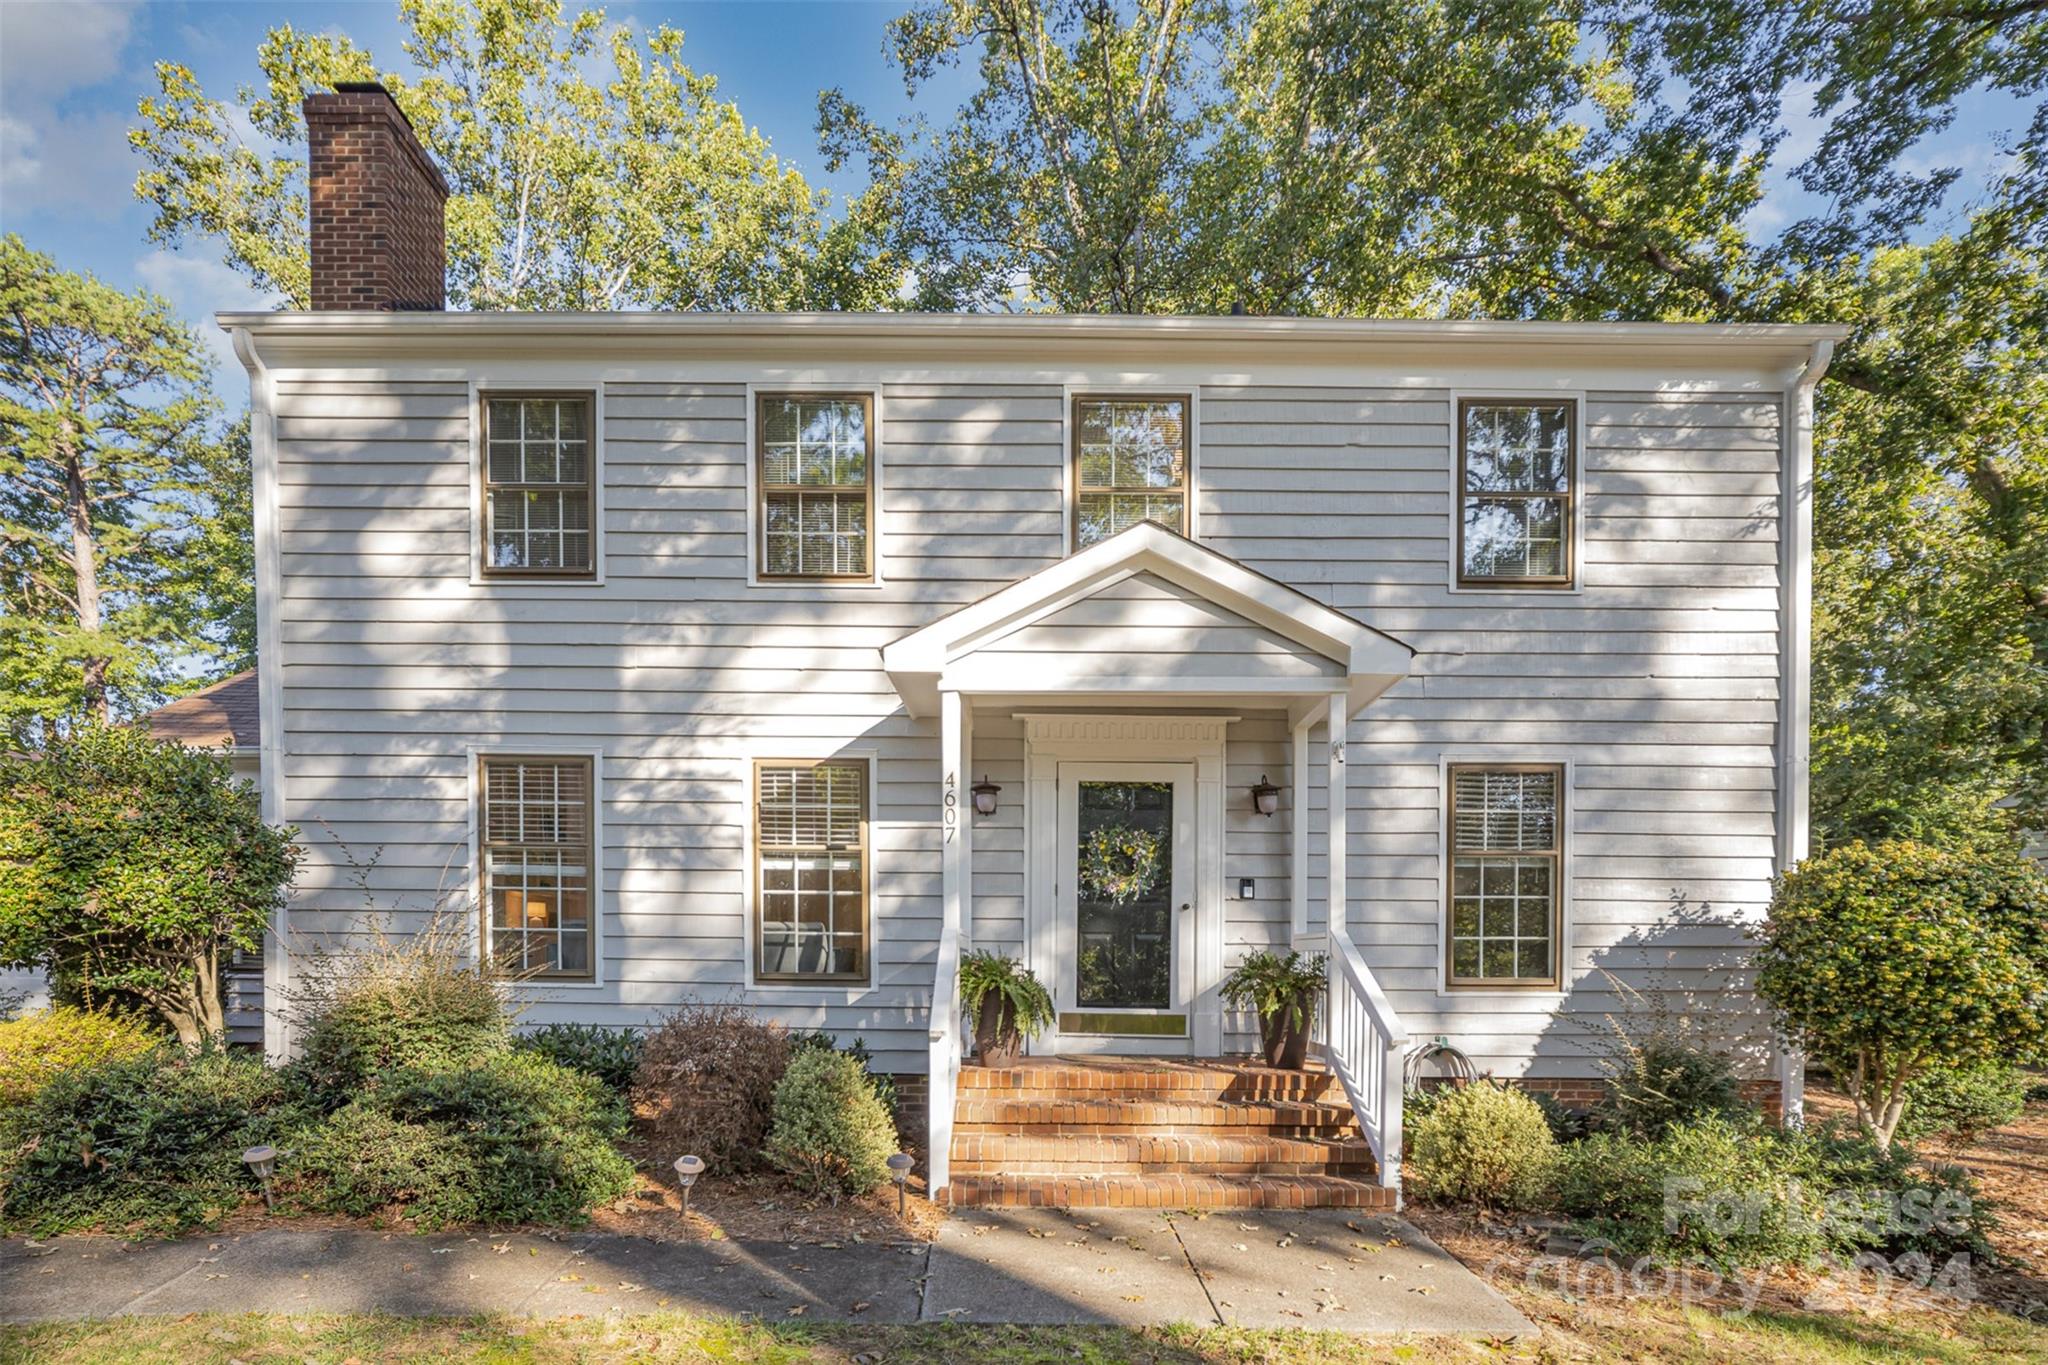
[706,1083]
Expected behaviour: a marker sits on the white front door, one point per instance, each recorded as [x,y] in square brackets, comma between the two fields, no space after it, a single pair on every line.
[1124,907]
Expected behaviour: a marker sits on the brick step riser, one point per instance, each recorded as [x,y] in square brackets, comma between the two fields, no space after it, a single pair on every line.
[1244,1122]
[1084,1169]
[1155,1148]
[1311,1089]
[1167,1192]
[1283,1132]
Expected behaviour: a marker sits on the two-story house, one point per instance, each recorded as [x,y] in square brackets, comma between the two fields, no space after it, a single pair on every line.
[779,659]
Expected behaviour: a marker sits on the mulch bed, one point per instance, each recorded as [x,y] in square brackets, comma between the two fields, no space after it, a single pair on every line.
[762,1208]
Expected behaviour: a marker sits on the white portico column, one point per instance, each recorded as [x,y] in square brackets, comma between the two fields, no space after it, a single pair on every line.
[956,824]
[1339,789]
[1297,818]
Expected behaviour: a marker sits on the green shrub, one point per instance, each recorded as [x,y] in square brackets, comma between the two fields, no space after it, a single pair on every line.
[610,1054]
[1483,1142]
[1566,1123]
[831,1133]
[136,866]
[1663,1079]
[884,1085]
[150,1144]
[1736,1192]
[1961,1105]
[36,1047]
[1884,1199]
[706,1083]
[1708,1189]
[514,1138]
[404,1004]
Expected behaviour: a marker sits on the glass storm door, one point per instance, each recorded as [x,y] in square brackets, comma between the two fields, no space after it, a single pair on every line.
[1124,896]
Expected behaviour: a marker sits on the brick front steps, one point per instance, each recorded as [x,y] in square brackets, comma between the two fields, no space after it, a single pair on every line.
[1158,1133]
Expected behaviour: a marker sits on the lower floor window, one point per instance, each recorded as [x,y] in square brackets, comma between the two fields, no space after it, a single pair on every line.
[535,835]
[810,841]
[1507,849]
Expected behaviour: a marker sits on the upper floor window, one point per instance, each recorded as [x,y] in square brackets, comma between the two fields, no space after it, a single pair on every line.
[1130,465]
[816,486]
[535,837]
[810,847]
[1507,851]
[1516,474]
[540,481]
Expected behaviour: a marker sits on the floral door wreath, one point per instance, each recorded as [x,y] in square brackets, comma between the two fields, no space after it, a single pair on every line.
[1120,863]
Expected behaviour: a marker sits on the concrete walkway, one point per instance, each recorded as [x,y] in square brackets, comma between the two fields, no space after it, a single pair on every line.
[1332,1270]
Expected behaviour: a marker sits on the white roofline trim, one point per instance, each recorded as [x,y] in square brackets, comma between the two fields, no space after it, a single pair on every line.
[961,326]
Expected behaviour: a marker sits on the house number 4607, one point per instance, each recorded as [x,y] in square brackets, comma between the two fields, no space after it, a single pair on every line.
[949,815]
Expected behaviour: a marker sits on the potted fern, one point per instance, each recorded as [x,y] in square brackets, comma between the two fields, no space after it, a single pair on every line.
[1007,1003]
[1284,991]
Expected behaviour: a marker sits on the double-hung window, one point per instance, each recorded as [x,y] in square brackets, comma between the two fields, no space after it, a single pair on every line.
[811,853]
[540,480]
[815,476]
[1130,465]
[1517,472]
[536,853]
[1506,856]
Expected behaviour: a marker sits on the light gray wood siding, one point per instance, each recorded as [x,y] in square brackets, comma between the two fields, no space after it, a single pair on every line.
[1658,683]
[1658,680]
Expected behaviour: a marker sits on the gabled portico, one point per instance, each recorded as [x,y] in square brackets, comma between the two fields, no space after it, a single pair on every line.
[1127,663]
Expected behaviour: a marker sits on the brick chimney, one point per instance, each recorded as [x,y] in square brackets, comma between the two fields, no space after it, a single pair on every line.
[376,204]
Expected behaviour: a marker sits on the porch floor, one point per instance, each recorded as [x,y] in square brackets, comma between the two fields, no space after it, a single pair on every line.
[1158,1132]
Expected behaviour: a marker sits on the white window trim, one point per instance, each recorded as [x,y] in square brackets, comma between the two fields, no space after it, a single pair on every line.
[599,902]
[1566,818]
[1149,388]
[804,992]
[1458,398]
[479,387]
[877,463]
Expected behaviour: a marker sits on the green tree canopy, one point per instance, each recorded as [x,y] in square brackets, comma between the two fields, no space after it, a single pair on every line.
[136,865]
[590,168]
[123,553]
[1595,159]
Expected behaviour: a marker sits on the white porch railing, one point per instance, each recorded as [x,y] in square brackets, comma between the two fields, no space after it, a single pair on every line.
[1363,1041]
[947,1047]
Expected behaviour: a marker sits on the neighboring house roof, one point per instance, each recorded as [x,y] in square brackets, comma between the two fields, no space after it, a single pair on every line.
[221,716]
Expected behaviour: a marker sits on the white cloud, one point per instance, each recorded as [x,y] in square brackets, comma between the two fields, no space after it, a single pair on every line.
[51,159]
[197,288]
[59,162]
[49,49]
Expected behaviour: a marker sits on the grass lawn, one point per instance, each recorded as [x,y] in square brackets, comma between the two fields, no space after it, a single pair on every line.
[1641,1331]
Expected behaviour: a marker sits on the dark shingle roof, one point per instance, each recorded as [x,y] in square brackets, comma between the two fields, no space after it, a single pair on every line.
[223,714]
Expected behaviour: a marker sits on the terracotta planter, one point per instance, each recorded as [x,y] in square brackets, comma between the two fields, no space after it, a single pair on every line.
[997,1041]
[1286,1045]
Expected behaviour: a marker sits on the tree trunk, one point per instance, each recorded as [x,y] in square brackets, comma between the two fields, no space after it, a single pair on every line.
[85,574]
[193,1008]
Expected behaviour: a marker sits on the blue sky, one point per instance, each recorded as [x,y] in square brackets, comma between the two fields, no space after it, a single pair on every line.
[71,73]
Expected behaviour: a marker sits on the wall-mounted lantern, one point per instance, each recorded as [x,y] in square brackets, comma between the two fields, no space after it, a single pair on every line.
[1265,797]
[985,793]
